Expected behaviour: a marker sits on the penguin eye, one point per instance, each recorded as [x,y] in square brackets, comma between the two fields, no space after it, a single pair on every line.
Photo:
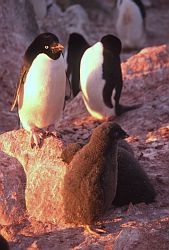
[46,47]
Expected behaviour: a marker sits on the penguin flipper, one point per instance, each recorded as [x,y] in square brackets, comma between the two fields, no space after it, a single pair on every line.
[120,109]
[22,77]
[107,94]
[68,91]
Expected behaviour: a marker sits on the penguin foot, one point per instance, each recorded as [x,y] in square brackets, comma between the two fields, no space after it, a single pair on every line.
[52,131]
[97,232]
[36,139]
[120,109]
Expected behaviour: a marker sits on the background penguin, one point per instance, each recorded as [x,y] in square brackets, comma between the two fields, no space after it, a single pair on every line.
[41,87]
[90,183]
[101,78]
[130,25]
[133,184]
[3,243]
[77,45]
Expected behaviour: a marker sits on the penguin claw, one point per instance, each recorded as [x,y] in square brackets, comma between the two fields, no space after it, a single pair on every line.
[97,232]
[36,139]
[52,131]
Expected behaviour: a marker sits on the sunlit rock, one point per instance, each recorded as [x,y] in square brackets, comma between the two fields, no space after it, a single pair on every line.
[12,190]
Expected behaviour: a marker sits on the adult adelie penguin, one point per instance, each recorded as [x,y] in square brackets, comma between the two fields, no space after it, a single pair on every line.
[90,183]
[101,78]
[41,87]
[77,45]
[130,25]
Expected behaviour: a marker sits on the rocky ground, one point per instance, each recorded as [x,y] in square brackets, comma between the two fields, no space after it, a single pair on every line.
[146,79]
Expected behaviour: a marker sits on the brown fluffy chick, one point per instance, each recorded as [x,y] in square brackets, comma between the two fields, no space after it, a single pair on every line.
[90,184]
[133,185]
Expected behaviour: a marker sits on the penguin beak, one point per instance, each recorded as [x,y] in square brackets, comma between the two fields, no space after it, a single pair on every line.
[57,47]
[126,136]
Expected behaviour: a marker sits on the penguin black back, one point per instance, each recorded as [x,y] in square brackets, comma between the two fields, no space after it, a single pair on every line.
[92,175]
[111,68]
[76,47]
[133,185]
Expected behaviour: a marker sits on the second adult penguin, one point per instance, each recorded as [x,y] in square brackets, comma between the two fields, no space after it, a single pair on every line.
[101,78]
[41,87]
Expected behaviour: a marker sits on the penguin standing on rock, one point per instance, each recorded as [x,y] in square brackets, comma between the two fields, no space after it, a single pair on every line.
[41,87]
[101,78]
[90,182]
[77,45]
[130,25]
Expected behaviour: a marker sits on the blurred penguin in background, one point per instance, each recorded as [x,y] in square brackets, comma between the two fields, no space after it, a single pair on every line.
[77,45]
[130,24]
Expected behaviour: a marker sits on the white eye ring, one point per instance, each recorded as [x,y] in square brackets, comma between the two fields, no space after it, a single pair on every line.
[46,47]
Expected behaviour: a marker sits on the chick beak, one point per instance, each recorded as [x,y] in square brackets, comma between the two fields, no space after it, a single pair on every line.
[57,47]
[126,135]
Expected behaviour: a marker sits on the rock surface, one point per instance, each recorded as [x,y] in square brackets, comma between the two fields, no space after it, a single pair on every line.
[16,34]
[44,174]
[12,190]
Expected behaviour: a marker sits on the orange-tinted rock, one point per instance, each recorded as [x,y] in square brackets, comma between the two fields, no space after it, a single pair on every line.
[44,173]
[12,190]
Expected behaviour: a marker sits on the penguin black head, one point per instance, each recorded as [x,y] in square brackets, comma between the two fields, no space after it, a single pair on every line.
[46,43]
[116,132]
[112,43]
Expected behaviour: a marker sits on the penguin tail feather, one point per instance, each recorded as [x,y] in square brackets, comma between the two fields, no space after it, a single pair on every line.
[120,109]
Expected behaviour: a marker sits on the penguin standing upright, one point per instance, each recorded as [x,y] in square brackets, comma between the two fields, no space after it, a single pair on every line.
[101,78]
[130,24]
[77,45]
[41,87]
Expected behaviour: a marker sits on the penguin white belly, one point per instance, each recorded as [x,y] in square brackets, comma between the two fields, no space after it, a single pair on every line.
[92,82]
[41,98]
[130,25]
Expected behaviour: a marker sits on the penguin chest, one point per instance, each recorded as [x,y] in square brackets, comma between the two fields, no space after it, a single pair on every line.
[92,82]
[41,99]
